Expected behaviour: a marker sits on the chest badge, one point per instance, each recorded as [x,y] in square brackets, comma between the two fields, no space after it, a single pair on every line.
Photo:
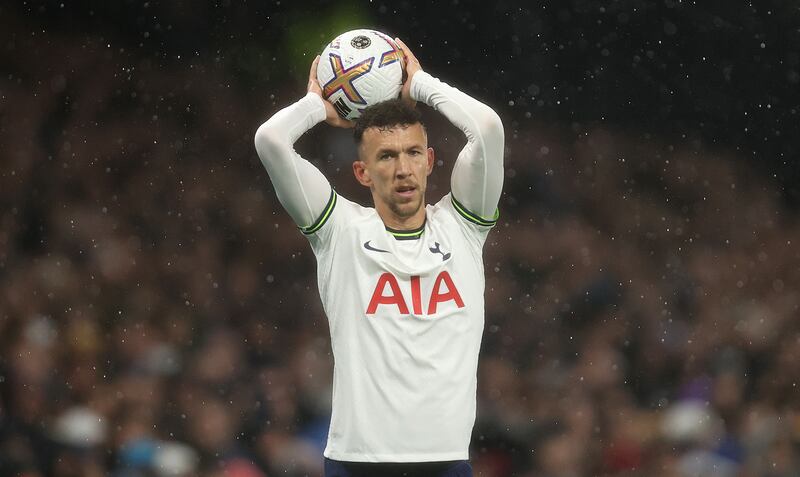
[436,249]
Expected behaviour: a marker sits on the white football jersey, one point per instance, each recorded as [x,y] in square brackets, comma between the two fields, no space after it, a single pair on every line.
[405,309]
[406,314]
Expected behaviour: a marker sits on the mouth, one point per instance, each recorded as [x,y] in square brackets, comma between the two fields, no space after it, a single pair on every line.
[406,191]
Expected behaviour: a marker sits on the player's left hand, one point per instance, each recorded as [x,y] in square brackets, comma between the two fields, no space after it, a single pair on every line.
[412,66]
[331,116]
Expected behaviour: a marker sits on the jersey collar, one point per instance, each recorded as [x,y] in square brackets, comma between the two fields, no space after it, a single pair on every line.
[413,234]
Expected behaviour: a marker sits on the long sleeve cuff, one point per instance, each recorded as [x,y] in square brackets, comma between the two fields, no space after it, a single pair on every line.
[422,85]
[311,109]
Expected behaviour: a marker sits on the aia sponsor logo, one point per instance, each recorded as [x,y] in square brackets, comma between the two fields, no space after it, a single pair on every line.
[388,293]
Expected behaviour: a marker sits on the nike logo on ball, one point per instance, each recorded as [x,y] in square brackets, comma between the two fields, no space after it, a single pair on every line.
[370,247]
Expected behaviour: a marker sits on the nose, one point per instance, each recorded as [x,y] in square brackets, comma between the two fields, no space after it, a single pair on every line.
[403,166]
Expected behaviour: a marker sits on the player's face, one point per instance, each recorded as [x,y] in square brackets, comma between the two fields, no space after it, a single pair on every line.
[395,163]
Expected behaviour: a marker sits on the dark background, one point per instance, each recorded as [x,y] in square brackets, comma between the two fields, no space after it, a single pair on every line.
[159,312]
[726,73]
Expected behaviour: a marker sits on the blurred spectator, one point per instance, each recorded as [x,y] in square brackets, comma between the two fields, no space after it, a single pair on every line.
[160,315]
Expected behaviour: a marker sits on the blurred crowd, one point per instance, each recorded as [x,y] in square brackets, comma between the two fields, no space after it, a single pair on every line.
[159,313]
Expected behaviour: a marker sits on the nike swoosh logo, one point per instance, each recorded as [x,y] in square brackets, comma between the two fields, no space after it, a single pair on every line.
[370,247]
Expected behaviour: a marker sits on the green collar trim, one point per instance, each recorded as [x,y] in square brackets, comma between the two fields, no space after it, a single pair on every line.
[414,234]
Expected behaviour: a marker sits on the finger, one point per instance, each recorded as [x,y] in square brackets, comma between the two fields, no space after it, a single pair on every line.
[404,47]
[312,75]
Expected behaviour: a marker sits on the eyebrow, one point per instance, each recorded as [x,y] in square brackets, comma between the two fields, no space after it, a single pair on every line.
[393,150]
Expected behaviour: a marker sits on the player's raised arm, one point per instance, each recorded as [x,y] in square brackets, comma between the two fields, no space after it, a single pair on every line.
[302,189]
[477,179]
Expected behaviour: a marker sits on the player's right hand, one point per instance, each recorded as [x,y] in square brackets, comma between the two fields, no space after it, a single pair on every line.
[331,116]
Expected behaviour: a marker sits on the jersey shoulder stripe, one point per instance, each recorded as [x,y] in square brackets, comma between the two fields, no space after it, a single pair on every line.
[472,217]
[324,216]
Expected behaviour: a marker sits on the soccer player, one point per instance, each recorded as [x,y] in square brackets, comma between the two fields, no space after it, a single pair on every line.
[402,283]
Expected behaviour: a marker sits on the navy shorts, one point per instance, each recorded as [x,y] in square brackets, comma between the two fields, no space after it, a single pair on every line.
[458,468]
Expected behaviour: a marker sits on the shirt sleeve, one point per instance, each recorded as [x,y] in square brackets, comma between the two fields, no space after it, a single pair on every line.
[477,179]
[301,188]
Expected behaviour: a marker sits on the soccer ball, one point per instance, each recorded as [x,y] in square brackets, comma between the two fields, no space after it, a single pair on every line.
[358,69]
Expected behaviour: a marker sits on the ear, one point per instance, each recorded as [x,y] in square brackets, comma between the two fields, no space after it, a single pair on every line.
[361,173]
[431,159]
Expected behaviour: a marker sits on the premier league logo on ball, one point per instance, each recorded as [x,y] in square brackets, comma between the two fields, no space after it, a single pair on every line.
[360,42]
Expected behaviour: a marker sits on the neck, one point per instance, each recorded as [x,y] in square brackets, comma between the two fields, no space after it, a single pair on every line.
[393,221]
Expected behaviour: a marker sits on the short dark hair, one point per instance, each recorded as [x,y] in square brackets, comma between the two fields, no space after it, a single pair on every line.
[386,115]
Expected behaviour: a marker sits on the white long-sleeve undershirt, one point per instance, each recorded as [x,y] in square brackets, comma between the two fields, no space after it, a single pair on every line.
[304,192]
[301,188]
[477,179]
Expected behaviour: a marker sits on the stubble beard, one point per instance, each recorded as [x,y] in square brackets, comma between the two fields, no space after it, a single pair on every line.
[406,209]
